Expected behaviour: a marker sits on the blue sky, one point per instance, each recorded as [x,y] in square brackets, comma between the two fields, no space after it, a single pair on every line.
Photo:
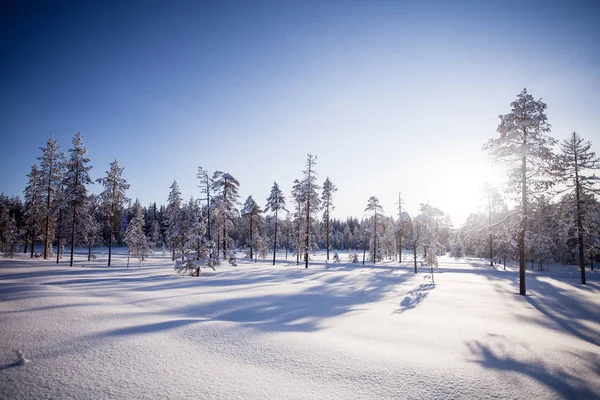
[393,96]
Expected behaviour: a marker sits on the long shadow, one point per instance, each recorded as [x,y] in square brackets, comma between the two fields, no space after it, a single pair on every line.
[415,297]
[563,380]
[560,309]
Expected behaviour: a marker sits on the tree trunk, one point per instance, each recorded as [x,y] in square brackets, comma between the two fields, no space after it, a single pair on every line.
[90,250]
[327,230]
[47,230]
[275,240]
[579,225]
[375,239]
[521,241]
[59,235]
[251,218]
[73,235]
[415,256]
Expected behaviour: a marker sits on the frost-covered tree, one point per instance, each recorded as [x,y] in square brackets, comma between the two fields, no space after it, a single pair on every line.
[374,207]
[10,233]
[206,184]
[299,218]
[251,215]
[275,203]
[173,215]
[34,206]
[154,234]
[90,222]
[327,200]
[113,199]
[524,147]
[52,163]
[572,168]
[309,189]
[227,188]
[135,239]
[76,178]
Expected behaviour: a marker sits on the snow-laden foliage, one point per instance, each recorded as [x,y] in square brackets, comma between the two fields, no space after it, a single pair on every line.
[112,200]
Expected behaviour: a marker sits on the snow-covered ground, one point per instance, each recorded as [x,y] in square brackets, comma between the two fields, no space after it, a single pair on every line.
[336,331]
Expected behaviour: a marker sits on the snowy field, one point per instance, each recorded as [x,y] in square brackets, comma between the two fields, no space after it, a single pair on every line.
[256,331]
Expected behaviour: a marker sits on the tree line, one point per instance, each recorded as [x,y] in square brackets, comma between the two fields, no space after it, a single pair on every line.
[555,216]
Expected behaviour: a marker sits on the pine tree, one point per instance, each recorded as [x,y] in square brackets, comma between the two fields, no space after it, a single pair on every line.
[226,187]
[525,148]
[113,199]
[309,189]
[251,213]
[76,178]
[275,203]
[206,184]
[327,198]
[52,164]
[374,207]
[135,239]
[572,167]
[10,233]
[173,215]
[34,207]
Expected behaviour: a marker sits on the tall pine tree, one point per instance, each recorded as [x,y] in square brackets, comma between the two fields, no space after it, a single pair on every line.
[113,199]
[525,148]
[76,178]
[275,203]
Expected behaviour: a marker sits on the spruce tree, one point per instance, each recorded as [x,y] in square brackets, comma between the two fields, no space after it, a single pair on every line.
[34,207]
[226,187]
[251,213]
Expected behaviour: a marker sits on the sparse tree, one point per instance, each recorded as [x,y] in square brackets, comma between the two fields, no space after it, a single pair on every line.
[311,197]
[573,167]
[251,213]
[226,200]
[327,198]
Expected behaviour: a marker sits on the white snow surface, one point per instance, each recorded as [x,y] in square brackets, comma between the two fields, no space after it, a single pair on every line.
[332,331]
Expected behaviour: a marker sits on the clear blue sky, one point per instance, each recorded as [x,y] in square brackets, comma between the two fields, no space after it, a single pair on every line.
[391,95]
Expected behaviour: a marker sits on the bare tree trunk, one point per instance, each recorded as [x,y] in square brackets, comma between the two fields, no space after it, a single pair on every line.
[59,235]
[90,250]
[73,235]
[521,241]
[579,225]
[275,240]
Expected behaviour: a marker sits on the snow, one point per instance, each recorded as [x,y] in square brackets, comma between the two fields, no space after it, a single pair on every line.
[332,331]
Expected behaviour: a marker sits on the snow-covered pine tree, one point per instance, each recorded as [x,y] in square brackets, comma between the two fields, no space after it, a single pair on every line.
[226,200]
[52,164]
[34,207]
[91,226]
[252,219]
[524,147]
[206,185]
[573,167]
[275,203]
[135,239]
[376,208]
[299,219]
[327,198]
[309,189]
[173,215]
[76,178]
[113,199]
[10,233]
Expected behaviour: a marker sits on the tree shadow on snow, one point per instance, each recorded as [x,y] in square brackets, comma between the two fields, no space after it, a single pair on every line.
[415,297]
[564,380]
